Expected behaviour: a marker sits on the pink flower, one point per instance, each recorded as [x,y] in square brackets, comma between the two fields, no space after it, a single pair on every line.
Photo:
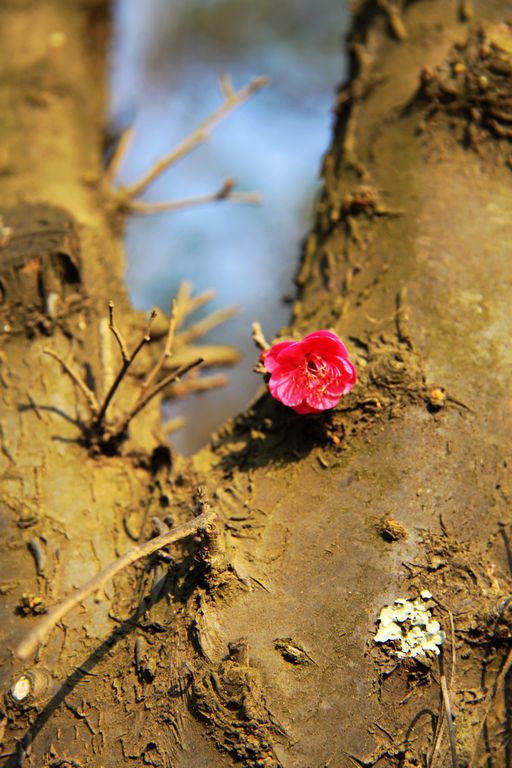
[311,375]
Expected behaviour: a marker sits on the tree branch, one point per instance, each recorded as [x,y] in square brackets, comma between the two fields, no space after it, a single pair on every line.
[145,399]
[203,326]
[127,361]
[118,155]
[222,194]
[232,100]
[167,353]
[30,644]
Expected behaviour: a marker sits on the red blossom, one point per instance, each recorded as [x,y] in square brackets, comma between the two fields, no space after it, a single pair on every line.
[311,375]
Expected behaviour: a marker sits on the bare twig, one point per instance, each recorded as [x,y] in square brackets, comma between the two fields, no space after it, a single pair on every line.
[232,99]
[87,393]
[30,644]
[174,424]
[106,355]
[212,354]
[225,193]
[259,338]
[198,385]
[226,86]
[35,407]
[183,297]
[453,651]
[203,326]
[186,304]
[449,718]
[127,362]
[118,154]
[443,712]
[196,302]
[500,679]
[438,736]
[98,431]
[117,335]
[167,353]
[143,400]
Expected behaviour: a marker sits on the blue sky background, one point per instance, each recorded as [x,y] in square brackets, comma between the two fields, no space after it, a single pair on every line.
[165,66]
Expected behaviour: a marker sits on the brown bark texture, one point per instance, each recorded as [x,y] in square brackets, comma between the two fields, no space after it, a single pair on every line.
[251,642]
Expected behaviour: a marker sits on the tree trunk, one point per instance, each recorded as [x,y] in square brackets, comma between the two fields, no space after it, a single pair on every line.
[257,648]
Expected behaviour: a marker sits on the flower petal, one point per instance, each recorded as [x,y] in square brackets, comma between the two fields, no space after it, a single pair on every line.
[305,408]
[269,356]
[321,400]
[286,386]
[325,343]
[291,354]
[343,376]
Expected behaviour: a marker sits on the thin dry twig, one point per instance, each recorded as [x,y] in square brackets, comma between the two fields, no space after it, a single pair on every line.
[203,326]
[186,304]
[449,719]
[36,408]
[168,349]
[212,354]
[127,362]
[144,399]
[30,643]
[196,302]
[259,338]
[498,683]
[438,736]
[74,376]
[443,716]
[225,193]
[174,424]
[198,385]
[117,335]
[232,99]
[183,297]
[107,365]
[453,651]
[98,430]
[118,155]
[226,86]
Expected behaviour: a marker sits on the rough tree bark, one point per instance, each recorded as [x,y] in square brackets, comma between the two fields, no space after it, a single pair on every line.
[254,646]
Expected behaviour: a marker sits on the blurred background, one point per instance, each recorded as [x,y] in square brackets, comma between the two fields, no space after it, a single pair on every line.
[166,60]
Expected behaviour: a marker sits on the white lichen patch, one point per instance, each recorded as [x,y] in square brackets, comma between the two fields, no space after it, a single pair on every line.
[409,624]
[21,689]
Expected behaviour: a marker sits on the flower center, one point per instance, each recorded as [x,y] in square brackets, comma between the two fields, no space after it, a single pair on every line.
[315,372]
